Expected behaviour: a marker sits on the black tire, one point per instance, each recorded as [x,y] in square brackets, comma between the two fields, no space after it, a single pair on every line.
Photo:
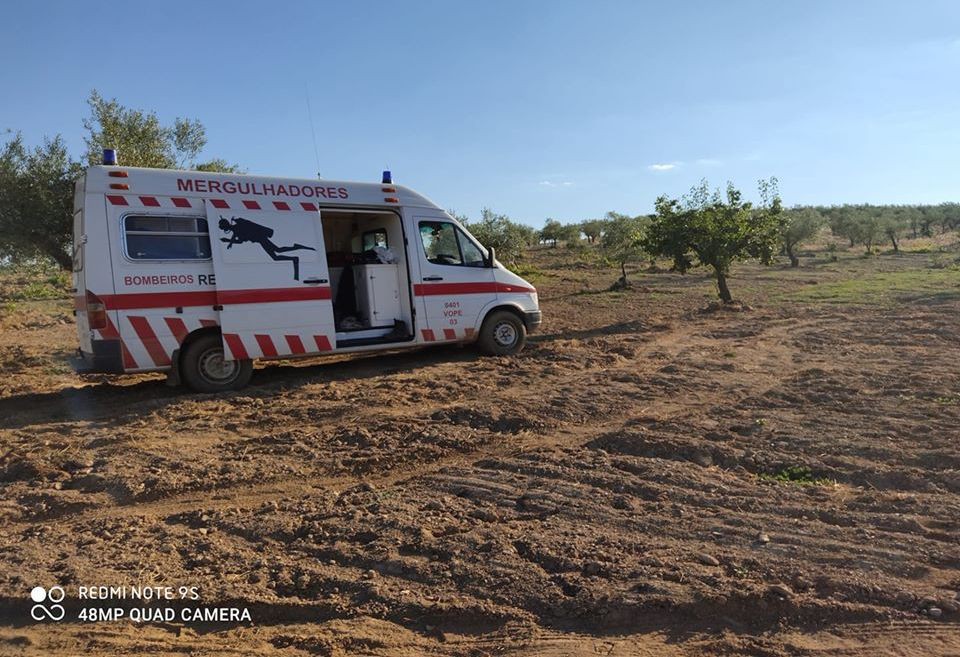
[502,334]
[199,363]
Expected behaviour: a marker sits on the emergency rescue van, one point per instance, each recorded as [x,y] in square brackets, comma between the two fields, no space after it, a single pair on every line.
[199,274]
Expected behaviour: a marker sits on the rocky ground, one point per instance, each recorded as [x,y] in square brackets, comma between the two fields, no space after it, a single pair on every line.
[652,475]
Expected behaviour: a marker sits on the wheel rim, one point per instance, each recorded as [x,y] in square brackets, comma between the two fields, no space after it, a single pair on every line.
[215,369]
[505,334]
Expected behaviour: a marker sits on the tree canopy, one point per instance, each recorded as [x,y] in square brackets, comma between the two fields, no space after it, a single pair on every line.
[715,230]
[36,200]
[36,184]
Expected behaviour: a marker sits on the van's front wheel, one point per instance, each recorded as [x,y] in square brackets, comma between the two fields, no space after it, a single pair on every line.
[205,369]
[502,334]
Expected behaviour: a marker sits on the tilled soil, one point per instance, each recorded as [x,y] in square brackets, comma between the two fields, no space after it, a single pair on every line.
[649,476]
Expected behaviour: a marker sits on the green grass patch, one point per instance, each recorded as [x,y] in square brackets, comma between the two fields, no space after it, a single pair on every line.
[796,474]
[527,271]
[884,287]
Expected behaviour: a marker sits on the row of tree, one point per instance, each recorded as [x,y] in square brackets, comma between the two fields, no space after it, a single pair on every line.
[36,184]
[716,229]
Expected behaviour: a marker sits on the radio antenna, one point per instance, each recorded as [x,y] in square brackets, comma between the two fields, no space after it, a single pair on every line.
[313,132]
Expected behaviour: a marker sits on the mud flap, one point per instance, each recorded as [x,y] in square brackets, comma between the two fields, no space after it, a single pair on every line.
[173,374]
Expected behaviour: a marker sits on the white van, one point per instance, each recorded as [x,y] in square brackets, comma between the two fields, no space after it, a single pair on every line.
[199,274]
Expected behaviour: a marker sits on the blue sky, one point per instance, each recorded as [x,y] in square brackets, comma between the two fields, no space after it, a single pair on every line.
[536,109]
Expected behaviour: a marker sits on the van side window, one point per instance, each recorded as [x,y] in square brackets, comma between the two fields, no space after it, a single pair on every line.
[166,238]
[373,238]
[445,244]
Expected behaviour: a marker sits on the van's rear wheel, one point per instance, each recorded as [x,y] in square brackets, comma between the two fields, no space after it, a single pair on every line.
[502,334]
[205,369]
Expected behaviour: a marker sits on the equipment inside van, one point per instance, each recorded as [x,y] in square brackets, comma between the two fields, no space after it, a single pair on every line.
[199,274]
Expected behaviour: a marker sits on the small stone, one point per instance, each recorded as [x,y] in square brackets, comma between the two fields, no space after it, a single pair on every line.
[951,606]
[928,601]
[781,591]
[905,597]
[621,502]
[370,574]
[763,538]
[592,568]
[935,612]
[707,559]
[702,459]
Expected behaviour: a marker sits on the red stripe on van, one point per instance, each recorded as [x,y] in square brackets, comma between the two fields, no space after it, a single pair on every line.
[219,203]
[323,344]
[273,295]
[434,289]
[427,335]
[150,341]
[150,201]
[177,327]
[116,200]
[295,344]
[449,334]
[266,345]
[251,205]
[280,205]
[181,202]
[139,300]
[208,322]
[235,345]
[309,207]
[111,333]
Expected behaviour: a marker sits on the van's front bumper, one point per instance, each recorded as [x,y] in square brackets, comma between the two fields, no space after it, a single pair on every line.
[533,319]
[106,358]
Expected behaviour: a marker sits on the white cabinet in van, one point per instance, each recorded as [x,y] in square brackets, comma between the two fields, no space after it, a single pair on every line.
[378,293]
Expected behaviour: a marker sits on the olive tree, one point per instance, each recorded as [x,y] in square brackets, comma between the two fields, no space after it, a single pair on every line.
[715,230]
[141,140]
[622,241]
[592,229]
[507,237]
[36,201]
[799,226]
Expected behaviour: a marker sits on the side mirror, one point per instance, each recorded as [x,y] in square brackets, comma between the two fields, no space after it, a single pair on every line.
[491,257]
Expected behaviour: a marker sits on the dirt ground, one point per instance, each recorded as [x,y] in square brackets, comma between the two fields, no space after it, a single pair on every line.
[651,476]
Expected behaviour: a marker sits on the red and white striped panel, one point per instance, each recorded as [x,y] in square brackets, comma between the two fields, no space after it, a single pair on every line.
[275,344]
[133,200]
[446,335]
[154,339]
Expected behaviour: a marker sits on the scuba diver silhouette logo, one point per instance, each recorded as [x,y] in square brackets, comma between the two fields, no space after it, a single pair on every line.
[243,230]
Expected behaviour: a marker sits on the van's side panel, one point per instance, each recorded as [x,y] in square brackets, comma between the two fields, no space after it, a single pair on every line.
[273,285]
[157,303]
[451,296]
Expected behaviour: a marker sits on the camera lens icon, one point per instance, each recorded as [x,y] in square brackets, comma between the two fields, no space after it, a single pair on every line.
[53,595]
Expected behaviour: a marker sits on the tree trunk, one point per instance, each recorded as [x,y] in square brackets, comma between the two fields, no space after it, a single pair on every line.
[896,246]
[63,259]
[623,272]
[722,287]
[794,260]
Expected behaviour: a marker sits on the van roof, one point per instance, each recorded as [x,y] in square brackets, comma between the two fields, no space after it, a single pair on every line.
[244,188]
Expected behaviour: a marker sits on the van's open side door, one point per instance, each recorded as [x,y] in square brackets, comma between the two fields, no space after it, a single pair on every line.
[273,288]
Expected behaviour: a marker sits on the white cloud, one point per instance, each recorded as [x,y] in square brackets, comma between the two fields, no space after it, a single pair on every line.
[665,166]
[550,183]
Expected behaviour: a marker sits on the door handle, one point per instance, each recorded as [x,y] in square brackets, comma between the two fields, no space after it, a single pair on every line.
[314,281]
[433,278]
